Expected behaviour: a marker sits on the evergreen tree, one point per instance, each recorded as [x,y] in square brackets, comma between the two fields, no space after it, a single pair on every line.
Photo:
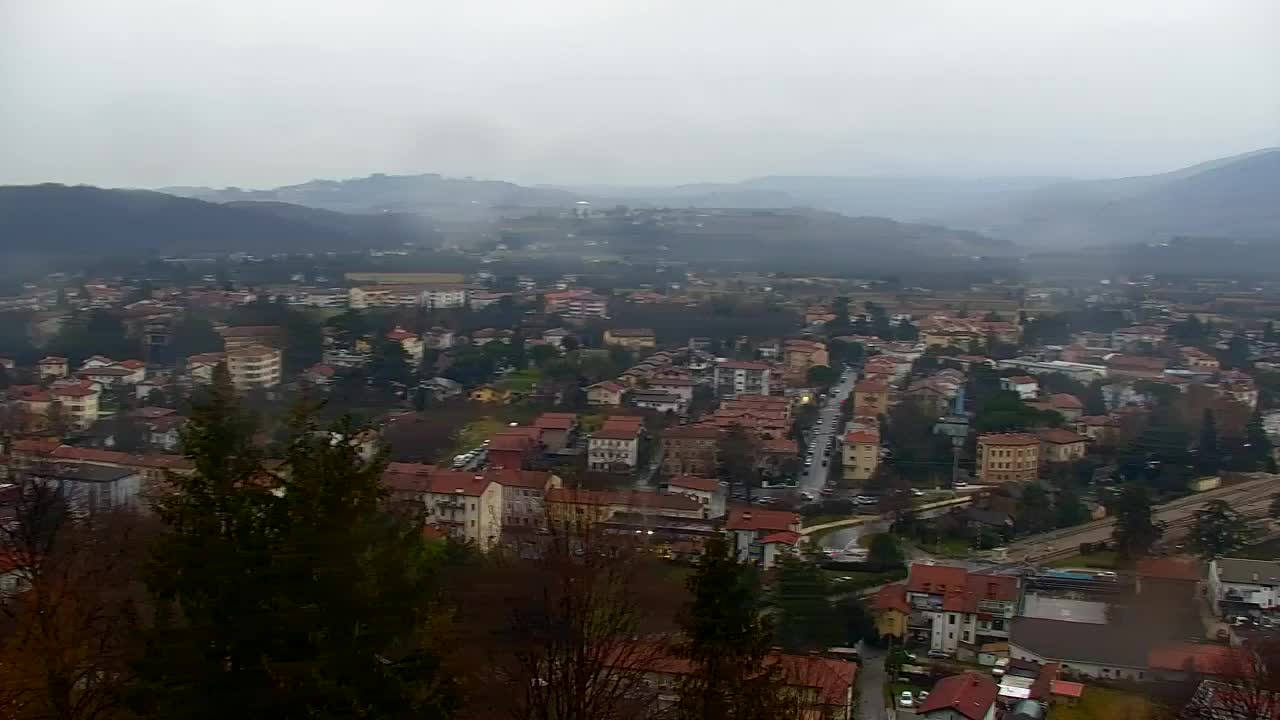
[1136,530]
[1219,530]
[805,619]
[1208,455]
[1069,509]
[389,364]
[726,643]
[1034,514]
[884,553]
[1259,443]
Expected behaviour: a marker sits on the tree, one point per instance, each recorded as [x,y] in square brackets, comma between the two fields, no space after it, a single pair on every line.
[1245,686]
[96,332]
[1136,531]
[821,376]
[884,553]
[1034,514]
[1219,530]
[192,335]
[389,364]
[804,619]
[1069,510]
[1208,456]
[726,644]
[1258,443]
[739,456]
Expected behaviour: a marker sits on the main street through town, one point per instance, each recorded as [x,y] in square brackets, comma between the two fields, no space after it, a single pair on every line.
[826,435]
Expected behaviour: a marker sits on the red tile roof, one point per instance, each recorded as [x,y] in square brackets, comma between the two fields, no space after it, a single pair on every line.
[454,482]
[771,520]
[554,423]
[892,597]
[1060,436]
[1065,401]
[72,391]
[660,501]
[862,436]
[1018,439]
[518,443]
[1066,689]
[616,434]
[511,477]
[694,483]
[1169,568]
[936,578]
[1203,659]
[786,537]
[744,365]
[969,695]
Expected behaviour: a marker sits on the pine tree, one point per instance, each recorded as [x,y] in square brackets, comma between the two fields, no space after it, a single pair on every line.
[1219,530]
[1208,456]
[805,619]
[1069,509]
[1136,530]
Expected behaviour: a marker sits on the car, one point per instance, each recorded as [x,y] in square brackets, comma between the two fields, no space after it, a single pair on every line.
[866,500]
[939,654]
[959,484]
[906,700]
[922,696]
[806,495]
[917,492]
[828,491]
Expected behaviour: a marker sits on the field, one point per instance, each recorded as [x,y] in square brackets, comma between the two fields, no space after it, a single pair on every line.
[1106,704]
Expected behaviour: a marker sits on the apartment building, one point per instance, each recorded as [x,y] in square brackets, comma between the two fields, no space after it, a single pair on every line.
[465,505]
[870,398]
[631,338]
[800,355]
[577,304]
[52,367]
[412,344]
[79,402]
[754,533]
[861,455]
[953,608]
[255,366]
[243,336]
[614,447]
[1244,587]
[737,377]
[690,450]
[1058,445]
[1008,457]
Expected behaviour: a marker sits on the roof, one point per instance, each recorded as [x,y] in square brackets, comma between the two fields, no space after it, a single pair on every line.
[1248,572]
[694,483]
[519,443]
[616,433]
[1066,689]
[870,387]
[1065,401]
[252,330]
[632,498]
[892,597]
[554,423]
[400,334]
[936,578]
[786,537]
[52,360]
[691,432]
[1168,568]
[1018,439]
[1022,380]
[771,520]
[1079,642]
[609,385]
[863,436]
[72,391]
[631,332]
[1203,659]
[744,365]
[512,477]
[968,694]
[455,482]
[1060,436]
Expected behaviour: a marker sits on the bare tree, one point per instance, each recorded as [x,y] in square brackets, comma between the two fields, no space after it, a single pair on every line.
[1246,685]
[68,607]
[561,632]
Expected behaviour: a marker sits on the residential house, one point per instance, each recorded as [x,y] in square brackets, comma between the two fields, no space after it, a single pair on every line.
[631,338]
[690,450]
[800,355]
[1058,445]
[615,449]
[749,527]
[412,344]
[555,337]
[954,609]
[320,374]
[1197,359]
[1068,406]
[968,696]
[465,505]
[52,367]
[706,491]
[1101,430]
[1026,386]
[870,398]
[1008,457]
[681,386]
[91,488]
[523,496]
[891,611]
[736,377]
[861,455]
[607,393]
[557,429]
[438,338]
[512,451]
[79,402]
[656,400]
[576,304]
[1239,586]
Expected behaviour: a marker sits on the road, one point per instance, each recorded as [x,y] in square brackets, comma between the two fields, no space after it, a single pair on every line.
[871,679]
[825,434]
[1250,497]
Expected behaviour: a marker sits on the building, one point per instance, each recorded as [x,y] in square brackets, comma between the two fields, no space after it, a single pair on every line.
[706,491]
[860,455]
[1244,587]
[558,429]
[1058,445]
[891,611]
[800,355]
[1089,650]
[656,400]
[523,496]
[577,304]
[953,609]
[968,696]
[465,505]
[576,507]
[631,338]
[438,338]
[737,377]
[255,366]
[1026,386]
[79,403]
[52,367]
[607,393]
[91,488]
[412,344]
[870,398]
[748,529]
[614,449]
[1008,457]
[690,450]
[243,336]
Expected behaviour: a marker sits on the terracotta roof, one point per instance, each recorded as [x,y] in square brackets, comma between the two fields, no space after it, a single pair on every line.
[511,477]
[862,436]
[133,364]
[1169,568]
[1098,420]
[969,695]
[616,433]
[107,371]
[554,423]
[1023,380]
[786,537]
[1066,689]
[1008,439]
[400,334]
[692,432]
[1203,659]
[609,385]
[936,579]
[745,365]
[1060,436]
[520,443]
[771,520]
[892,597]
[781,446]
[870,387]
[72,391]
[1065,401]
[52,360]
[631,332]
[454,482]
[694,483]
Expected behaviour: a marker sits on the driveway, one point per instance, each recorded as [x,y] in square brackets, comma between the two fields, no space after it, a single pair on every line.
[871,680]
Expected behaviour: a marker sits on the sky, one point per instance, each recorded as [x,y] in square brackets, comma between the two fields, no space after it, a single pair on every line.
[259,93]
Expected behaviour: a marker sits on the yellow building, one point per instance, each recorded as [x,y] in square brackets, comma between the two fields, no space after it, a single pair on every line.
[631,338]
[861,455]
[870,398]
[488,394]
[891,611]
[1008,457]
[255,366]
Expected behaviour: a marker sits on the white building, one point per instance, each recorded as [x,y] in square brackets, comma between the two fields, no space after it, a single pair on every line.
[613,448]
[412,344]
[1244,587]
[742,377]
[444,296]
[465,505]
[256,366]
[79,402]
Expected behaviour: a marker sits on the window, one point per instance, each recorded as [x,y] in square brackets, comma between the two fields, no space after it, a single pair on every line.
[952,619]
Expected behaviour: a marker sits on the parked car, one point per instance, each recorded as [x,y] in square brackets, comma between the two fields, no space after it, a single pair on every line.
[905,699]
[939,654]
[828,491]
[806,495]
[866,500]
[917,492]
[922,696]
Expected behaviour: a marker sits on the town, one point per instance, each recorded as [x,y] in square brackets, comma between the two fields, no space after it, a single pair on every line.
[1011,497]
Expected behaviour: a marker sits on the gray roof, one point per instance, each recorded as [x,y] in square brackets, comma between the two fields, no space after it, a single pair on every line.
[1257,572]
[1070,642]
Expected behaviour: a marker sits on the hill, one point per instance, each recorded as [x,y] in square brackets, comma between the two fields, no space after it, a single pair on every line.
[88,221]
[1236,198]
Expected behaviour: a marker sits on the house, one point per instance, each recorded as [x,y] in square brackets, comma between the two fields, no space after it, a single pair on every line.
[1197,359]
[706,491]
[412,344]
[614,449]
[465,505]
[690,450]
[681,386]
[523,496]
[870,398]
[800,355]
[968,696]
[442,388]
[512,451]
[656,400]
[438,338]
[52,367]
[489,394]
[255,366]
[1101,430]
[607,393]
[1178,662]
[576,304]
[200,367]
[631,338]
[736,377]
[557,429]
[1058,445]
[1244,587]
[235,338]
[954,609]
[1064,692]
[1026,386]
[1008,457]
[861,455]
[91,488]
[748,529]
[320,374]
[79,402]
[891,611]
[1068,406]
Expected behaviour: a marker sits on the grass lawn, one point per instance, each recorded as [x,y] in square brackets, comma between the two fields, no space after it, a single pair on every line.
[950,547]
[522,381]
[1105,560]
[1105,704]
[472,434]
[860,579]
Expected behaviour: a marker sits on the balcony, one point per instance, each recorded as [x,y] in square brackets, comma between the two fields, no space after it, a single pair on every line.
[919,620]
[451,505]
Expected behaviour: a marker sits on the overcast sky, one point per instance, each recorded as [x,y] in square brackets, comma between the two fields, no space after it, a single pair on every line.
[258,93]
